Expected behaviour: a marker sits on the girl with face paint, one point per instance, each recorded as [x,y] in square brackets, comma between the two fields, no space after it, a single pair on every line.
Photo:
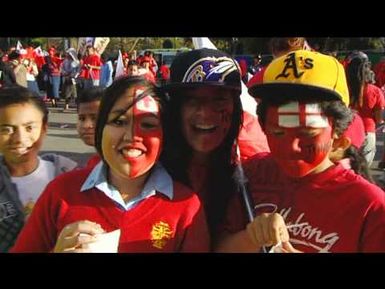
[203,119]
[23,173]
[129,190]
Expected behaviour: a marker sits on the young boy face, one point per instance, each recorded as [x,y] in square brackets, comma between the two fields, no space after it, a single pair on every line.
[206,117]
[21,132]
[87,114]
[132,70]
[300,137]
[132,139]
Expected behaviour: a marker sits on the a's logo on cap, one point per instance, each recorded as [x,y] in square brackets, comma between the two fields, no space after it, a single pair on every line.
[210,69]
[291,66]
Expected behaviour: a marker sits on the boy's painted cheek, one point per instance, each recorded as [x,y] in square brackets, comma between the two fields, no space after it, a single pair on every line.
[151,139]
[298,155]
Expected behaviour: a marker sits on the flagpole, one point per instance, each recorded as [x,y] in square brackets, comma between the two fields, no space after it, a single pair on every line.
[242,183]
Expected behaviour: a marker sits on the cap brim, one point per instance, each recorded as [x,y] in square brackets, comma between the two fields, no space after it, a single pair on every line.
[174,86]
[292,90]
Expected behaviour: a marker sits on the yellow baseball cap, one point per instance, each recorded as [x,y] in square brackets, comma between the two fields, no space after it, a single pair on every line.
[303,73]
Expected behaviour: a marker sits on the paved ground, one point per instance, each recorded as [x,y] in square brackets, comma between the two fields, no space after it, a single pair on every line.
[62,136]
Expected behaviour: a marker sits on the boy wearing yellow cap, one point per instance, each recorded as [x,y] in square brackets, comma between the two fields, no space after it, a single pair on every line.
[303,201]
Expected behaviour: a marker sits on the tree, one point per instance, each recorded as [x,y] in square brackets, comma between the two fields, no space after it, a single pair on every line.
[167,44]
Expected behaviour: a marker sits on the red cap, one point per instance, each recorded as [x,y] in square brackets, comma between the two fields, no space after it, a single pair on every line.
[356,131]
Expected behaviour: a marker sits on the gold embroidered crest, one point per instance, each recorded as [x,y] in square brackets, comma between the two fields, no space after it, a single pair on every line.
[160,233]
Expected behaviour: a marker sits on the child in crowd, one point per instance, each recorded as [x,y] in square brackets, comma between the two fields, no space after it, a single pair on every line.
[88,104]
[23,173]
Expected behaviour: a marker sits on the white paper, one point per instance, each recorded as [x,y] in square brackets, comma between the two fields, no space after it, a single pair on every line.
[106,243]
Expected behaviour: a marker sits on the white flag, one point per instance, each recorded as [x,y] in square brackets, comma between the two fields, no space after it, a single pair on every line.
[203,42]
[119,66]
[100,44]
[248,102]
[39,51]
[19,47]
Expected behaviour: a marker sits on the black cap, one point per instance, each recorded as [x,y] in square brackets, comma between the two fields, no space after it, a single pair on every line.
[204,67]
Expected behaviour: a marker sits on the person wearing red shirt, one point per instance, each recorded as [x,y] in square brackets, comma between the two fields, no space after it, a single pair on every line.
[379,70]
[129,191]
[53,62]
[164,73]
[366,98]
[303,201]
[91,68]
[203,121]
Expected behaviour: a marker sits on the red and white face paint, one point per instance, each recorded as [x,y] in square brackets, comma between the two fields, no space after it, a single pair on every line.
[132,141]
[300,137]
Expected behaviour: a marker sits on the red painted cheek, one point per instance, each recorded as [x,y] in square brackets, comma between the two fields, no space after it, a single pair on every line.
[151,140]
[298,157]
[225,116]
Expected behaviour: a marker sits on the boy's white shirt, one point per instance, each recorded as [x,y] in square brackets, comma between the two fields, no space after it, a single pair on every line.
[31,186]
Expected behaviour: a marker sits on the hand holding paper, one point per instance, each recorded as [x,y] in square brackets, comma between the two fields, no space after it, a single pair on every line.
[105,243]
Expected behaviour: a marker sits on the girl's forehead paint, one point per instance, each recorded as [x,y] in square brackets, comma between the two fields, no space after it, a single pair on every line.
[146,103]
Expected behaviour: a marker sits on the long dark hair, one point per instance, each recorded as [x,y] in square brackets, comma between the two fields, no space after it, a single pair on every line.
[177,154]
[357,75]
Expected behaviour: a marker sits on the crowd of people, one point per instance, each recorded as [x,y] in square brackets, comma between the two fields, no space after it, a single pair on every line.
[170,171]
[63,74]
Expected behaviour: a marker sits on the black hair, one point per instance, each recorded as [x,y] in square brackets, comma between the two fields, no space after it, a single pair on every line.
[13,55]
[279,45]
[358,162]
[90,95]
[177,154]
[18,95]
[132,62]
[113,93]
[357,74]
[340,113]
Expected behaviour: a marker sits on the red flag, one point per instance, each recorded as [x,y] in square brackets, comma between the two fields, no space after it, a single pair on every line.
[39,57]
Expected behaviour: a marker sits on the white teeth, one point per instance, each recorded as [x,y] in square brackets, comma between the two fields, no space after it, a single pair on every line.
[205,126]
[132,153]
[20,150]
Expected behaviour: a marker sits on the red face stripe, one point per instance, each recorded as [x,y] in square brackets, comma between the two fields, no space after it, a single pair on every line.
[143,137]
